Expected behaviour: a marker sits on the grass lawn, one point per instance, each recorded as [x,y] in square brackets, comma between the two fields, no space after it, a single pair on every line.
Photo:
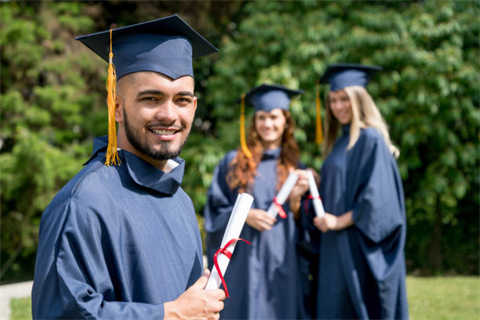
[21,309]
[444,297]
[429,298]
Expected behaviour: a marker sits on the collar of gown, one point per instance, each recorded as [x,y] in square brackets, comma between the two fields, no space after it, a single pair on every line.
[346,129]
[144,174]
[271,154]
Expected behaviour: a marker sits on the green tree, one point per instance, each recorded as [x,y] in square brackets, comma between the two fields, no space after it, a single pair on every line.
[47,87]
[428,93]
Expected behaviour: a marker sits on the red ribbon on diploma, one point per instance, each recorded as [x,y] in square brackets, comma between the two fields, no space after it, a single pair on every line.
[281,212]
[306,201]
[228,254]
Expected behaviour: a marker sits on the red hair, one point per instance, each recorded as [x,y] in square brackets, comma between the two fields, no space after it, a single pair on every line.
[242,170]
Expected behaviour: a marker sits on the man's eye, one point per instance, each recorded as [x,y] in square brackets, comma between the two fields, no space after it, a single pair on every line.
[150,99]
[184,100]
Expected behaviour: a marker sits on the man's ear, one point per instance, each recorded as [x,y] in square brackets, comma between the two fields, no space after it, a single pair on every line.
[118,110]
[195,101]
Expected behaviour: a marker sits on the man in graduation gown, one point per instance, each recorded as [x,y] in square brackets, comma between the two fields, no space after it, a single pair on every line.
[121,240]
[361,270]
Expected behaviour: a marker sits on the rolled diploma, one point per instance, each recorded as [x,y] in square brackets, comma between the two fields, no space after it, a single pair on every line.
[283,193]
[234,228]
[317,203]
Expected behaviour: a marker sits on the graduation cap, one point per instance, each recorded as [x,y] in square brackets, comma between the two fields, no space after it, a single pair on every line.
[165,45]
[265,97]
[344,75]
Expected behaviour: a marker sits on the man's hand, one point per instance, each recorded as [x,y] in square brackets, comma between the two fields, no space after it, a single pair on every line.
[260,220]
[196,302]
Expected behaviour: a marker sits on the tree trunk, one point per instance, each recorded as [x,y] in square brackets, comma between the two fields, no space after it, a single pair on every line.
[435,254]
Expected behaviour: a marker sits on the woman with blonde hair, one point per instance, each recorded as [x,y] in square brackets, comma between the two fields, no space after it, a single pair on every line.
[361,269]
[262,278]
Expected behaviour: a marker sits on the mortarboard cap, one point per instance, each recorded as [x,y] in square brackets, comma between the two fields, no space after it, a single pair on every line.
[165,45]
[344,75]
[267,97]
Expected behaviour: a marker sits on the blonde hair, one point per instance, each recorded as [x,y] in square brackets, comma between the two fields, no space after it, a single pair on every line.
[364,114]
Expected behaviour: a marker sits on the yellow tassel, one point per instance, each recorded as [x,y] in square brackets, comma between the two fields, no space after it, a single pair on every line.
[243,142]
[318,127]
[112,154]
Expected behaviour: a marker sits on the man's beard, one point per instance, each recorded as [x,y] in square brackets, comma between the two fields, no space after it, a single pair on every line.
[141,146]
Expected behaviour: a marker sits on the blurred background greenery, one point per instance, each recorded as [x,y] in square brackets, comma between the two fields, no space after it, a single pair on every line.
[52,103]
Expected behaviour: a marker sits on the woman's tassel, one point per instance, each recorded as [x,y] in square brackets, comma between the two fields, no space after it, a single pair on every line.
[318,122]
[243,142]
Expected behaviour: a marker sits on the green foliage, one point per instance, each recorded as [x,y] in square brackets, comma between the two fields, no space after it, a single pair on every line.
[428,93]
[43,130]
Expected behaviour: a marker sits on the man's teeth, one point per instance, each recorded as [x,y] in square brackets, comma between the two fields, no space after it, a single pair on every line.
[163,132]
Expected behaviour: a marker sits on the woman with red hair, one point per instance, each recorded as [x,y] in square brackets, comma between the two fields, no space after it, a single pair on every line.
[262,278]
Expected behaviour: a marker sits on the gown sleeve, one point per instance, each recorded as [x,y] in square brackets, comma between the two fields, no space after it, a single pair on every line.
[220,201]
[377,196]
[81,265]
[378,209]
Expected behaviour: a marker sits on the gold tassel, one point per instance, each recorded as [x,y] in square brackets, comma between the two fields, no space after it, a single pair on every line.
[112,154]
[243,142]
[318,127]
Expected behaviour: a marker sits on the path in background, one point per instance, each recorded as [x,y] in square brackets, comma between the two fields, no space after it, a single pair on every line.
[9,291]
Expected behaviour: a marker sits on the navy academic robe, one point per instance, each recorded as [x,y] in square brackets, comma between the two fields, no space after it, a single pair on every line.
[362,268]
[261,277]
[116,242]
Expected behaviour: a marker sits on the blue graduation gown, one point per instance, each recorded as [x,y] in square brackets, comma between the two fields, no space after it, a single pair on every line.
[261,277]
[362,268]
[116,242]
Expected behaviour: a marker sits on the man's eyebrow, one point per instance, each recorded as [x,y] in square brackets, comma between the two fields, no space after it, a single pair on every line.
[186,93]
[150,92]
[160,93]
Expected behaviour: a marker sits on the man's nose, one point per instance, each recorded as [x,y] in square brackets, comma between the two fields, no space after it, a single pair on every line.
[166,112]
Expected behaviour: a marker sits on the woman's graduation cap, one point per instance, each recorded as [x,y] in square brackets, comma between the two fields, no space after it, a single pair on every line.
[265,97]
[344,75]
[166,45]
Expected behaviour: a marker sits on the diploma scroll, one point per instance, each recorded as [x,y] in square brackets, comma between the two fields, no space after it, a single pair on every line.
[317,203]
[234,228]
[283,194]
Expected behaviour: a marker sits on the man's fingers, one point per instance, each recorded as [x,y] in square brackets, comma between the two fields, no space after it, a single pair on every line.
[217,294]
[201,282]
[206,273]
[218,306]
[214,316]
